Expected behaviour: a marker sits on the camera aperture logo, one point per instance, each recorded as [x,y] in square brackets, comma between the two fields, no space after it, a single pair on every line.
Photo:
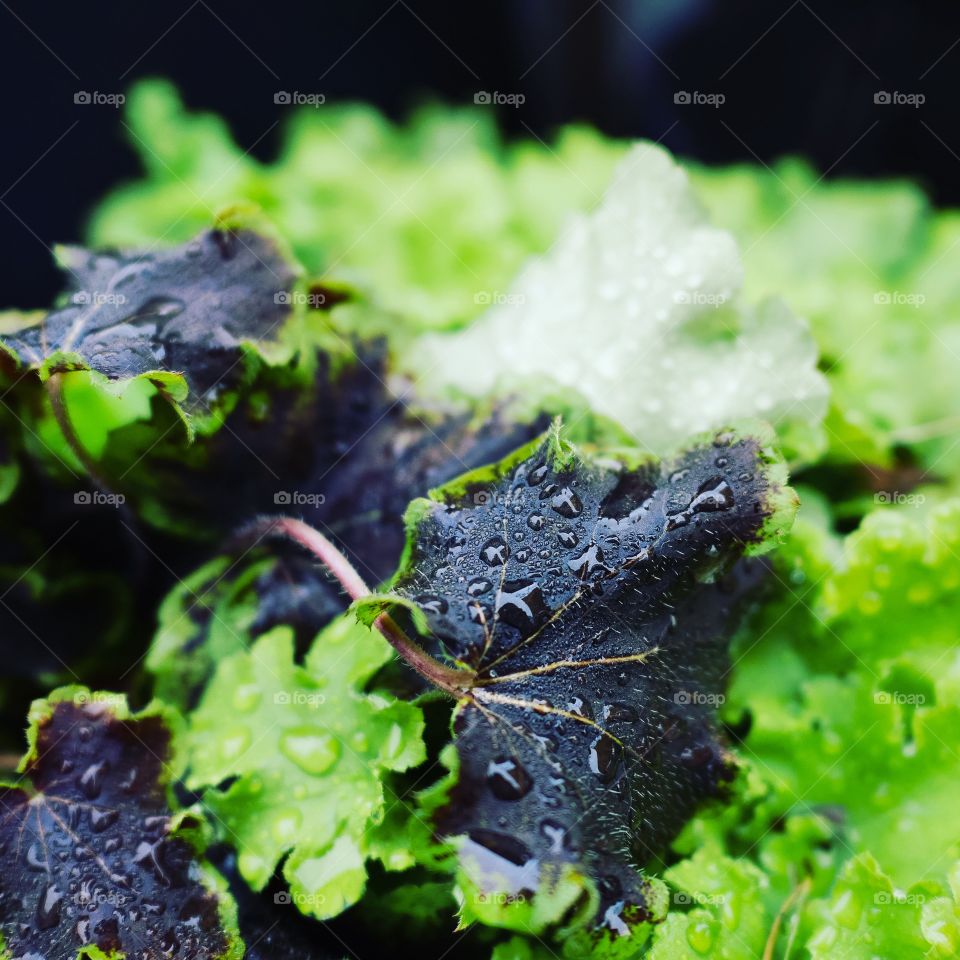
[498,298]
[299,698]
[297,498]
[305,901]
[87,98]
[94,298]
[698,98]
[296,98]
[897,499]
[898,298]
[688,698]
[497,99]
[898,698]
[501,899]
[699,298]
[885,98]
[292,298]
[98,498]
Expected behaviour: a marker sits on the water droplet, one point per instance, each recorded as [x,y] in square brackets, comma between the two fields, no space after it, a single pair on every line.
[507,779]
[520,603]
[494,552]
[548,491]
[310,748]
[101,820]
[605,756]
[715,494]
[536,521]
[522,556]
[234,742]
[581,708]
[85,733]
[567,503]
[700,935]
[246,698]
[285,825]
[48,907]
[430,604]
[91,780]
[156,308]
[695,757]
[555,833]
[36,858]
[619,713]
[567,538]
[721,462]
[479,586]
[589,563]
[537,475]
[679,475]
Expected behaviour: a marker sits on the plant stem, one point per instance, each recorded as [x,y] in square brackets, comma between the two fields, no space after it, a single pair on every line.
[453,681]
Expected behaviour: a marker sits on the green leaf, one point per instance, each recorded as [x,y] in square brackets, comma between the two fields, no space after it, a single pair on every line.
[586,600]
[659,294]
[306,753]
[866,917]
[456,209]
[90,854]
[717,910]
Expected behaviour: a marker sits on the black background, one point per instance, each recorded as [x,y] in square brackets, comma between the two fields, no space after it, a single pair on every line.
[798,76]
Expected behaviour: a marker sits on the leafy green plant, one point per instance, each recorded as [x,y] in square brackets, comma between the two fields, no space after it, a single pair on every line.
[426,670]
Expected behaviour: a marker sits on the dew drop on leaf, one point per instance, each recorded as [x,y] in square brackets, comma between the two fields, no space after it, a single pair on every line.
[310,748]
[605,756]
[479,586]
[508,779]
[520,603]
[567,503]
[494,552]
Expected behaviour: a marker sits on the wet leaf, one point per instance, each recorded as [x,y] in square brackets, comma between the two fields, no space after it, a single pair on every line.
[592,602]
[89,853]
[179,317]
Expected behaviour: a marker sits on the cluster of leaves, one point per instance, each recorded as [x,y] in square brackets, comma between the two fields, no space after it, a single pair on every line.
[578,762]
